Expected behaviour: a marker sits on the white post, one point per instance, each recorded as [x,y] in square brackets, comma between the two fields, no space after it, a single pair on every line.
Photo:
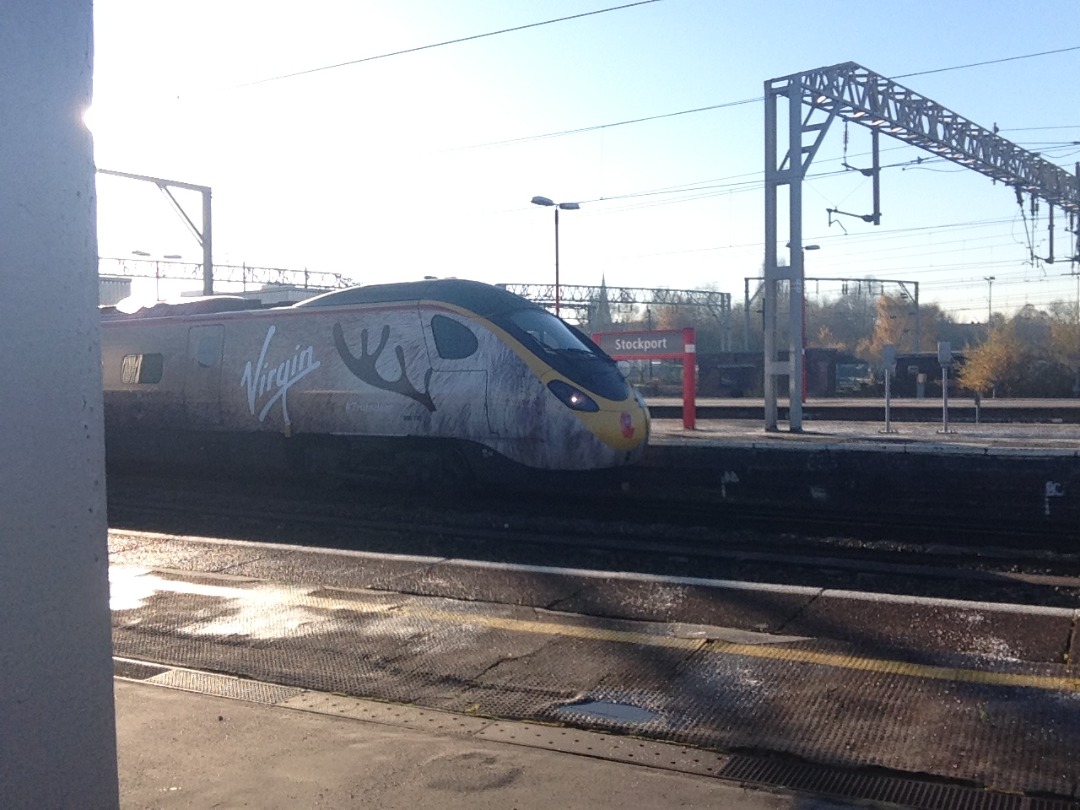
[888,399]
[889,360]
[945,399]
[945,359]
[57,727]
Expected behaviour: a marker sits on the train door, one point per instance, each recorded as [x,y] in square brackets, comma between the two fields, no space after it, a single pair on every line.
[458,376]
[202,379]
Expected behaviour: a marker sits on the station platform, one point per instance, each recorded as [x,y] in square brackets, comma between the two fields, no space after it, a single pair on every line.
[359,679]
[1020,475]
[394,682]
[181,748]
[961,410]
[983,439]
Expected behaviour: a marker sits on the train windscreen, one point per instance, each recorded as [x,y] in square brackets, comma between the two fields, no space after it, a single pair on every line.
[567,351]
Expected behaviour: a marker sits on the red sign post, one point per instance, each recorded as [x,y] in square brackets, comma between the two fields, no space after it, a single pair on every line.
[665,344]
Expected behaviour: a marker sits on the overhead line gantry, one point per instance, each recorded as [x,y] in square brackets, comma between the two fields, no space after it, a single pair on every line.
[816,98]
[587,298]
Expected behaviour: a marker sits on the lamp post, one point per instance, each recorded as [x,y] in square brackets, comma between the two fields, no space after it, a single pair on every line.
[989,300]
[566,206]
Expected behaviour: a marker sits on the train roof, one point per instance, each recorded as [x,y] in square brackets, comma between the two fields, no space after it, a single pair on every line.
[203,305]
[483,299]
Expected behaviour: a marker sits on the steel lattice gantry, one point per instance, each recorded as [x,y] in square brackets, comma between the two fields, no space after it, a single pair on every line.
[228,273]
[815,98]
[202,235]
[588,298]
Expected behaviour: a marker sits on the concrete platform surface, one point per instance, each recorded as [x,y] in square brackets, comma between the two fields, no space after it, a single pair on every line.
[1048,439]
[868,409]
[181,749]
[839,694]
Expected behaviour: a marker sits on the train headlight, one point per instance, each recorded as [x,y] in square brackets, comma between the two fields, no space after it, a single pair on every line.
[572,398]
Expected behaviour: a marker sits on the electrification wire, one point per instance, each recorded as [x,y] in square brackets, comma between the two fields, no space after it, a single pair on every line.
[627,122]
[717,188]
[1053,144]
[1001,279]
[705,189]
[987,62]
[903,258]
[690,192]
[457,41]
[710,107]
[897,256]
[1029,129]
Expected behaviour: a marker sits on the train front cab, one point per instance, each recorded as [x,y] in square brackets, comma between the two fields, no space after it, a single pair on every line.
[585,381]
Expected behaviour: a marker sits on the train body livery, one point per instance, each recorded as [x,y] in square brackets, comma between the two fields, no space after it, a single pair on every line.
[389,370]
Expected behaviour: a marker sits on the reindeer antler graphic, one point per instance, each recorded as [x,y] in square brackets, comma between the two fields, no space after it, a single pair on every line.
[364,366]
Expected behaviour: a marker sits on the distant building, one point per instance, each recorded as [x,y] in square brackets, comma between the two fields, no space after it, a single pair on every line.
[741,374]
[112,290]
[919,375]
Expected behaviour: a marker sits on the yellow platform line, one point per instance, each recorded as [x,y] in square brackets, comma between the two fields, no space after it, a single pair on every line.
[763,651]
[773,651]
[1055,683]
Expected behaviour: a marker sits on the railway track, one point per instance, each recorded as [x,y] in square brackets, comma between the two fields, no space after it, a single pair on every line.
[608,536]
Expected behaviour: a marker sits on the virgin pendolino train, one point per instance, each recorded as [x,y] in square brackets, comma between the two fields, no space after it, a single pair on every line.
[438,377]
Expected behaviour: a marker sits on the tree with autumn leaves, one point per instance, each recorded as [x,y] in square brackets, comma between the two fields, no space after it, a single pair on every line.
[1034,354]
[864,327]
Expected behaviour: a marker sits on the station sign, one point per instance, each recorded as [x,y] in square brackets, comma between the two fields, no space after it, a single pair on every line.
[944,353]
[888,357]
[669,344]
[659,344]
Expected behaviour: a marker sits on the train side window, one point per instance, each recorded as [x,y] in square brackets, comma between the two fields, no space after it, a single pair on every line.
[453,340]
[142,368]
[209,351]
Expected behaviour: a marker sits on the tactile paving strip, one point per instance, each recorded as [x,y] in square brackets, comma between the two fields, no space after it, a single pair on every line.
[633,750]
[208,683]
[136,670]
[772,772]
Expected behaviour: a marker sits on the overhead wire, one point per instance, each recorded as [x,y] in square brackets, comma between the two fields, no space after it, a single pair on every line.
[740,102]
[987,62]
[692,191]
[688,194]
[611,125]
[457,41]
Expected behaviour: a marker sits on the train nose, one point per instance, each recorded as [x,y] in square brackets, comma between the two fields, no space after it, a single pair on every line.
[625,427]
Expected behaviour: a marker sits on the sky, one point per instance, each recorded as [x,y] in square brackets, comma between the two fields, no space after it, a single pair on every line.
[388,140]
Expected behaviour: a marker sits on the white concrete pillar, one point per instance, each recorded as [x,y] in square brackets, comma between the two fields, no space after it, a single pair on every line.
[57,730]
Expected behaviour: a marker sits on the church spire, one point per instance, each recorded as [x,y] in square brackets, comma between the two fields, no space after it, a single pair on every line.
[602,320]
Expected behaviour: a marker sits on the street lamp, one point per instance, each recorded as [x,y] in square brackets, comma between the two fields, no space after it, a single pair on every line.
[989,299]
[566,206]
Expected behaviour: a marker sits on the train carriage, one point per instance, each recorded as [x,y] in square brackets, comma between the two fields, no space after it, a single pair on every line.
[425,372]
